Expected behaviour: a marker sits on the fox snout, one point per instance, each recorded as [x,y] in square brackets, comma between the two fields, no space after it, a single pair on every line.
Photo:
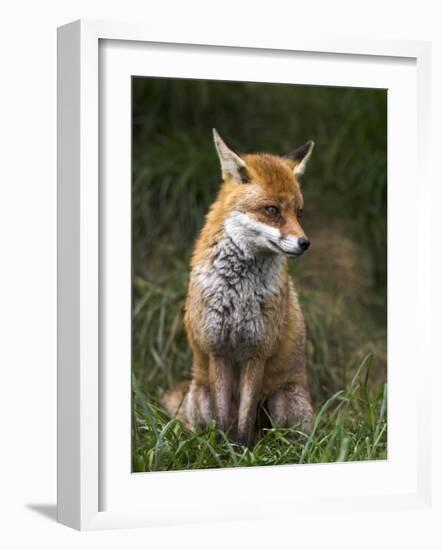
[303,243]
[294,246]
[292,237]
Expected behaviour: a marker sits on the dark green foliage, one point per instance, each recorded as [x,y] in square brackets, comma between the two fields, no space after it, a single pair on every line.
[341,280]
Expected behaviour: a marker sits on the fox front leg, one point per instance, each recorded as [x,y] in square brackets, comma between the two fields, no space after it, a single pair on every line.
[220,381]
[250,391]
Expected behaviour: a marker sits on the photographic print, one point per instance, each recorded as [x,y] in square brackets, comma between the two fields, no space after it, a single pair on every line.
[259,274]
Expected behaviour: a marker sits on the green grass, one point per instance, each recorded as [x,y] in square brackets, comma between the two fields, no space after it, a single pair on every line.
[350,425]
[341,280]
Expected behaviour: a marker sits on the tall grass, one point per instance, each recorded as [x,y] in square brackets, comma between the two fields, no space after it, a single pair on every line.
[350,425]
[341,281]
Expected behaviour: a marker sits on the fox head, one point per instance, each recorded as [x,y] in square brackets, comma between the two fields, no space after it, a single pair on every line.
[262,199]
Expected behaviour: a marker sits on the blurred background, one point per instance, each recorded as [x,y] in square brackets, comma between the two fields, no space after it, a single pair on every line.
[176,175]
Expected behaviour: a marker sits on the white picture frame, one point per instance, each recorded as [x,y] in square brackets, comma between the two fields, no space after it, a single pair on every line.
[82,439]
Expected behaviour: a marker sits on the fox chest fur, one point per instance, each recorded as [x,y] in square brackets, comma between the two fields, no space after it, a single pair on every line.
[241,299]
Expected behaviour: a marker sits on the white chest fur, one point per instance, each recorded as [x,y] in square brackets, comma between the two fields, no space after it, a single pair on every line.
[236,288]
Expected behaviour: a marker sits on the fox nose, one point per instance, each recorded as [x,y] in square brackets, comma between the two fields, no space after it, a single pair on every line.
[303,243]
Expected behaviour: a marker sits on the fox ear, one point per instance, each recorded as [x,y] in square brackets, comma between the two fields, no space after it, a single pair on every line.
[231,163]
[300,156]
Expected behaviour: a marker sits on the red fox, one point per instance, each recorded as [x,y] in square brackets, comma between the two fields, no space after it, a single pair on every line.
[242,316]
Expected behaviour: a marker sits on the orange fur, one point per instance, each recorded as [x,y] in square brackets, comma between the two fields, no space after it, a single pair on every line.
[274,370]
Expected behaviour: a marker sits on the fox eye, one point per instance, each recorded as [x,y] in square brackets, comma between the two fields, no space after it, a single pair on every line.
[273,211]
[299,213]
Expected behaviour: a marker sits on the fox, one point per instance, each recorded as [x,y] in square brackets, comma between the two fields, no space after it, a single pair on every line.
[242,315]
